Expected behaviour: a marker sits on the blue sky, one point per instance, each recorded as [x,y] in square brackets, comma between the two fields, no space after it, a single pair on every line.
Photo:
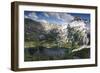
[55,17]
[85,17]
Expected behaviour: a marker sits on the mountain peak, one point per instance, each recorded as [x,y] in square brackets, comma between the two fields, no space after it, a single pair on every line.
[77,18]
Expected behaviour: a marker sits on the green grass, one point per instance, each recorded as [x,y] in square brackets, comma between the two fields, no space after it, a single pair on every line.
[30,44]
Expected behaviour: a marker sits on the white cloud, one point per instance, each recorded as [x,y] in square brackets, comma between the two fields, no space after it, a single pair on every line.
[33,16]
[52,14]
[43,21]
[46,14]
[66,17]
[26,16]
[60,16]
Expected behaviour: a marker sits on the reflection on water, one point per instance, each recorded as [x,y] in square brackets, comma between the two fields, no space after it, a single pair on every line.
[42,53]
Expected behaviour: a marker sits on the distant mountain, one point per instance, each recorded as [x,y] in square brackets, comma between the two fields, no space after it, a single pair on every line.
[32,29]
[37,30]
[79,31]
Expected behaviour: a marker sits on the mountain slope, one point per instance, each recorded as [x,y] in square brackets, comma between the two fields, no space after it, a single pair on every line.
[32,29]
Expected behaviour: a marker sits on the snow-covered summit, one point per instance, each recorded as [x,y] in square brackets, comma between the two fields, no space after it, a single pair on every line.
[78,23]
